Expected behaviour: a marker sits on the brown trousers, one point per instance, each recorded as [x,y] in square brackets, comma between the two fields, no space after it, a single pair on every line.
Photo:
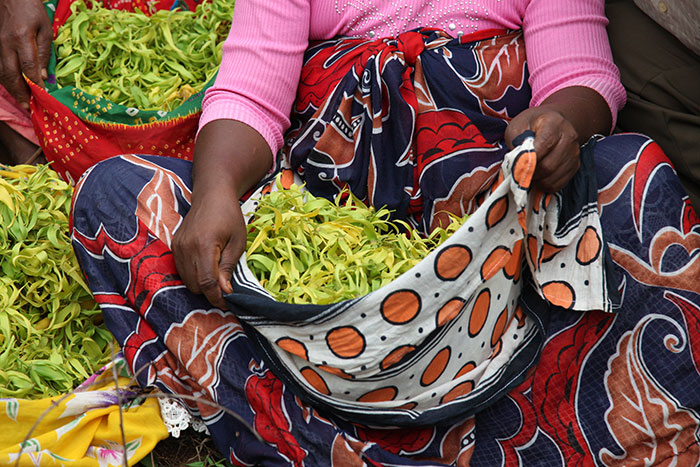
[662,79]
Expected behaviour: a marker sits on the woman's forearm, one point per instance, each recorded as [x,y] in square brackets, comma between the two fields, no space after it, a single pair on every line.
[230,157]
[584,108]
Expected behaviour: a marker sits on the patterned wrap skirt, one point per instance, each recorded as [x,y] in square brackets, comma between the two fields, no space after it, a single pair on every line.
[549,330]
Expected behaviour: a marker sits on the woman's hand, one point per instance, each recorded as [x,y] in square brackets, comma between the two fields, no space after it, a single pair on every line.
[556,145]
[208,244]
[25,46]
[229,158]
[562,122]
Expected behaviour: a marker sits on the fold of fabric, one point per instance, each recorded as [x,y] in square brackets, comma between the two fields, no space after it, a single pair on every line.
[84,428]
[455,323]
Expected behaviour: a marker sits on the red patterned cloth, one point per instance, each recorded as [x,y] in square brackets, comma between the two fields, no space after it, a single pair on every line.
[76,130]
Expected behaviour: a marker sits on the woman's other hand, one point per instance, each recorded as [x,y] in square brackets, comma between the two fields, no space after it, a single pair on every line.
[564,121]
[229,159]
[209,243]
[556,145]
[25,46]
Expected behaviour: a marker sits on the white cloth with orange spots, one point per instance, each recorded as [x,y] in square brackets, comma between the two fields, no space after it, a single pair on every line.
[452,333]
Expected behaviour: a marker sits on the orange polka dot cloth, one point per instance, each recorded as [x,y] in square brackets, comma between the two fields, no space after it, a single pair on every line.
[76,129]
[456,330]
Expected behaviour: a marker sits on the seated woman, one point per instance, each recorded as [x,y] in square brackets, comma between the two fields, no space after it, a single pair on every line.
[412,105]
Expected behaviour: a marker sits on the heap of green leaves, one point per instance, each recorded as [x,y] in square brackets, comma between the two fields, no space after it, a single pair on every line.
[133,59]
[307,249]
[51,333]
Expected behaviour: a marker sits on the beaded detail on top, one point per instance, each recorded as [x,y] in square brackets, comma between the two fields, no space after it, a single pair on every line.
[455,17]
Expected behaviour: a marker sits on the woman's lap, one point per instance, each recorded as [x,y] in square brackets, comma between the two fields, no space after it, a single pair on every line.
[598,375]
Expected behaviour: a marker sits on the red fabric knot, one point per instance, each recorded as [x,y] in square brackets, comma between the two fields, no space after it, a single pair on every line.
[411,44]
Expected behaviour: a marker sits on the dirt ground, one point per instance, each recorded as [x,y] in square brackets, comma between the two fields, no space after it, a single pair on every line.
[191,449]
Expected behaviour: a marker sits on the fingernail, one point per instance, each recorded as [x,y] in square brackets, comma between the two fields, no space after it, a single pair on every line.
[25,105]
[44,75]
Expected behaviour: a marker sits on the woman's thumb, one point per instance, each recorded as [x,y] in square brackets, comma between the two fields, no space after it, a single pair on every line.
[229,258]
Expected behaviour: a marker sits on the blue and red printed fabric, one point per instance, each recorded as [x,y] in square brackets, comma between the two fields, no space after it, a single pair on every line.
[424,117]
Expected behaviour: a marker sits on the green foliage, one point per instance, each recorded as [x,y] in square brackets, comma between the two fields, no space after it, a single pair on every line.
[51,333]
[305,249]
[145,61]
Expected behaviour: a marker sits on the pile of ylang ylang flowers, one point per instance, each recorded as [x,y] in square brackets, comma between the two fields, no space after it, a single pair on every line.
[302,248]
[51,332]
[150,62]
[307,249]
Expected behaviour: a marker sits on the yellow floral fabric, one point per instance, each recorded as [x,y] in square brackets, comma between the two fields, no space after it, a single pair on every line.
[82,429]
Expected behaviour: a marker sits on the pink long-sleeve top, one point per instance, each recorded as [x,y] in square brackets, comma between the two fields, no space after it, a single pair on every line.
[565,40]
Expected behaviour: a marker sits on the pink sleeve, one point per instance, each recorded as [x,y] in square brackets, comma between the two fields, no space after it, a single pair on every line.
[260,67]
[567,45]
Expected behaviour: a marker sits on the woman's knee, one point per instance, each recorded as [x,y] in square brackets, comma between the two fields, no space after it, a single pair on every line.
[619,152]
[103,193]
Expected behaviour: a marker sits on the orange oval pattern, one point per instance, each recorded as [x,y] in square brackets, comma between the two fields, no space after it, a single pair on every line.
[408,406]
[589,246]
[335,371]
[345,342]
[465,369]
[499,327]
[559,293]
[436,367]
[396,355]
[401,307]
[287,178]
[497,349]
[460,390]
[537,201]
[497,182]
[520,316]
[497,259]
[315,380]
[480,311]
[513,267]
[523,168]
[294,347]
[449,311]
[452,261]
[497,211]
[549,251]
[384,394]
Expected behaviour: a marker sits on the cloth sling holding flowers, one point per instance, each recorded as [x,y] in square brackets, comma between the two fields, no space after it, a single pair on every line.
[455,332]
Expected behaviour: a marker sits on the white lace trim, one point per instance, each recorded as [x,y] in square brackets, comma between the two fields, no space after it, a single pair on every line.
[177,418]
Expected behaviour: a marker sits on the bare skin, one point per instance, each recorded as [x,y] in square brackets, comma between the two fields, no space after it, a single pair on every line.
[25,46]
[230,158]
[562,122]
[14,148]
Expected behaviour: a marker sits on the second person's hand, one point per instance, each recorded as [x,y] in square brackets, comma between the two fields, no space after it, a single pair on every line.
[25,46]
